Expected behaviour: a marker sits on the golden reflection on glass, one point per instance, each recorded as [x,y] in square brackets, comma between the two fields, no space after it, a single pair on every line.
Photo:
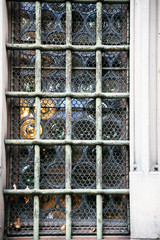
[24,109]
[27,130]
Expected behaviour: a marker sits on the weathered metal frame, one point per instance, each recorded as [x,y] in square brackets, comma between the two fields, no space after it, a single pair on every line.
[99,119]
[68,149]
[34,46]
[66,94]
[65,191]
[64,142]
[37,121]
[68,142]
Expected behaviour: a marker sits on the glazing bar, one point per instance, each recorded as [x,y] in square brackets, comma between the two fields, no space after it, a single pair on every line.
[64,142]
[65,191]
[99,119]
[67,94]
[11,46]
[37,121]
[68,158]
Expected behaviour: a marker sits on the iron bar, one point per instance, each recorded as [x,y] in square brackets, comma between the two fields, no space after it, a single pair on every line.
[68,149]
[73,68]
[78,1]
[68,142]
[37,121]
[65,191]
[51,47]
[64,142]
[66,94]
[99,120]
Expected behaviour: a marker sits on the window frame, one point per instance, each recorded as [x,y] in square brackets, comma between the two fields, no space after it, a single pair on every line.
[37,94]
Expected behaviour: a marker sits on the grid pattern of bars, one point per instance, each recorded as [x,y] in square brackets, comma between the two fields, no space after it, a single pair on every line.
[69,118]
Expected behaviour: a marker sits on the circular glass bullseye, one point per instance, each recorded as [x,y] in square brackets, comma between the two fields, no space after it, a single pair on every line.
[56,129]
[27,130]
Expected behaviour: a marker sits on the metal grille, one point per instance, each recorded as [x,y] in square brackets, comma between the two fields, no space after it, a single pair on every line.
[69,111]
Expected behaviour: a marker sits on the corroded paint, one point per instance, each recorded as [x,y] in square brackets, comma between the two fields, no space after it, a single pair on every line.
[99,118]
[64,142]
[46,47]
[68,149]
[37,121]
[65,191]
[67,94]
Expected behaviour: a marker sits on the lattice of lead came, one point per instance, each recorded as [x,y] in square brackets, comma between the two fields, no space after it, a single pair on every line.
[85,78]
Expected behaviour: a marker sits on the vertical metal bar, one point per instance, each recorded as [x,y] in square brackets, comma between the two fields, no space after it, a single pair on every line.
[68,149]
[127,113]
[99,118]
[37,120]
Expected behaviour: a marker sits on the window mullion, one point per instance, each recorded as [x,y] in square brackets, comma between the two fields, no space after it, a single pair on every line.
[68,149]
[37,120]
[99,118]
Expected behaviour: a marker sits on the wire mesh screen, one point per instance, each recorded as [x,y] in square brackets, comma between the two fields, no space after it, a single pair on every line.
[84,24]
[23,22]
[83,119]
[53,23]
[53,71]
[20,215]
[84,72]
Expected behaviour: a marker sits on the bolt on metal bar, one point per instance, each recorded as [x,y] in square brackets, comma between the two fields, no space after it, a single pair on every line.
[68,149]
[78,1]
[99,119]
[37,121]
[65,191]
[51,47]
[66,94]
[64,142]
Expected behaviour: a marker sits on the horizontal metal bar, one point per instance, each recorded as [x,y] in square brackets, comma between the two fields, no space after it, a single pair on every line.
[59,237]
[64,142]
[34,46]
[77,1]
[73,68]
[64,191]
[65,94]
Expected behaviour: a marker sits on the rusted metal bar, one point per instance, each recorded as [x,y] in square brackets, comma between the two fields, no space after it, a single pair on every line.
[37,121]
[65,191]
[68,149]
[99,119]
[64,142]
[66,94]
[51,47]
[78,1]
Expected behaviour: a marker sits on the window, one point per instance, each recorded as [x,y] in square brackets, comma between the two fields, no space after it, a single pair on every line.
[69,114]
